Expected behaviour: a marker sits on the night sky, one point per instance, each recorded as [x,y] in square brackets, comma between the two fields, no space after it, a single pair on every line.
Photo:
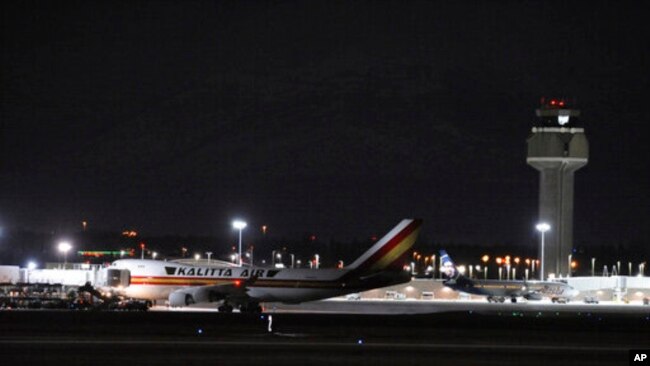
[336,118]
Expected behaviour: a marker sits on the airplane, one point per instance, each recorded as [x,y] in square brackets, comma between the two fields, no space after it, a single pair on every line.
[499,290]
[247,287]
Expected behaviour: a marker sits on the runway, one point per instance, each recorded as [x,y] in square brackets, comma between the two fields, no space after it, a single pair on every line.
[306,353]
[387,307]
[201,338]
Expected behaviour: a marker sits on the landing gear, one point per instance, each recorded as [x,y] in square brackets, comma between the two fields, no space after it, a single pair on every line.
[225,308]
[496,299]
[251,308]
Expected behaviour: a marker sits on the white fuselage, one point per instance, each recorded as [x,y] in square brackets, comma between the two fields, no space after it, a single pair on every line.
[511,288]
[156,280]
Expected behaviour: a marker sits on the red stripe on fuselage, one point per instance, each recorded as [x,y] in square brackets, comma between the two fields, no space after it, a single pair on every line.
[202,281]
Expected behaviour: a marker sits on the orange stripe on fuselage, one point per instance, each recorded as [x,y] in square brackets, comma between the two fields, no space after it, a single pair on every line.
[180,281]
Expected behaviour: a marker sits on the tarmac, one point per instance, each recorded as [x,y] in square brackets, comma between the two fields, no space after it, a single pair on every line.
[196,337]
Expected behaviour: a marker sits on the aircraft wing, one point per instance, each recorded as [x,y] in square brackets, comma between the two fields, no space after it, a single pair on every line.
[380,279]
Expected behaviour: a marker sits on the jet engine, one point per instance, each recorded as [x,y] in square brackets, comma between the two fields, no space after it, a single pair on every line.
[533,296]
[189,296]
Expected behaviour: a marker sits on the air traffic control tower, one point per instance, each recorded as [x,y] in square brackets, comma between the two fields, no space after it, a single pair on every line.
[557,147]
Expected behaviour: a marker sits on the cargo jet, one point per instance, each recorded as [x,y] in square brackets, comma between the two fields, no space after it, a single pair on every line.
[498,290]
[246,287]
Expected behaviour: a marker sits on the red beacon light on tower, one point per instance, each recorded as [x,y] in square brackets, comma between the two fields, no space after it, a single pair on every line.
[555,103]
[557,111]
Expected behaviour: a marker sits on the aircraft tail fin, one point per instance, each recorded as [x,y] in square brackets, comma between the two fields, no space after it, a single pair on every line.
[448,269]
[390,251]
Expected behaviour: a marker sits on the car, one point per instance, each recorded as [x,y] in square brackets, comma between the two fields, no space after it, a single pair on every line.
[80,305]
[590,300]
[130,305]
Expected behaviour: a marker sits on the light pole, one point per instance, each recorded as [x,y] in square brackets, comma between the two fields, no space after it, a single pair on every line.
[30,267]
[542,228]
[209,254]
[485,258]
[239,225]
[278,259]
[64,247]
[499,260]
[593,266]
[532,266]
[514,269]
[433,265]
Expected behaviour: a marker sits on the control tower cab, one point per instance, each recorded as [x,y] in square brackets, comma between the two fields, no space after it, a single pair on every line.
[557,113]
[557,147]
